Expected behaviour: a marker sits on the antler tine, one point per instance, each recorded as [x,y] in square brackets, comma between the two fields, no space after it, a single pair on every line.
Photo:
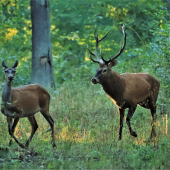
[91,52]
[124,44]
[95,53]
[121,50]
[96,61]
[97,42]
[104,36]
[105,61]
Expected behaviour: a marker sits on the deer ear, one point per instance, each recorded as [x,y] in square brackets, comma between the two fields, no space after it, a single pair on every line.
[4,65]
[15,64]
[113,63]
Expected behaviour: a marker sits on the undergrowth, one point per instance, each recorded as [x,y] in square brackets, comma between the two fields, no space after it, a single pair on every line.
[86,131]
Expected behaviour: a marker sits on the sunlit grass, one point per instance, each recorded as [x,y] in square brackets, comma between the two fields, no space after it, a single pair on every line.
[86,131]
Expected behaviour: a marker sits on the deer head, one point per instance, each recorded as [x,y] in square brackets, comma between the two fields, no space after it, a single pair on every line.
[9,71]
[105,66]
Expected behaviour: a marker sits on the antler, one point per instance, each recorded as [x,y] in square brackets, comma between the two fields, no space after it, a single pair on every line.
[97,43]
[121,50]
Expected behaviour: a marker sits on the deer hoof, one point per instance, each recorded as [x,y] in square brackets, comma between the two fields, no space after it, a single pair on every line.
[54,145]
[133,133]
[26,146]
[153,134]
[119,138]
[10,142]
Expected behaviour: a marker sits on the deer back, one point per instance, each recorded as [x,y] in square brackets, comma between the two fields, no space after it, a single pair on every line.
[139,87]
[29,99]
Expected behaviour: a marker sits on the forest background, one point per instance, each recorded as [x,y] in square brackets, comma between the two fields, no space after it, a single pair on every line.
[86,120]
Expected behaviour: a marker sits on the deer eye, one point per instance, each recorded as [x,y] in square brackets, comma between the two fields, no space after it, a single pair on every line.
[104,70]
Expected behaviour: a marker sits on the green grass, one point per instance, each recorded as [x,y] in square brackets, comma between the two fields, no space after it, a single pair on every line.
[86,130]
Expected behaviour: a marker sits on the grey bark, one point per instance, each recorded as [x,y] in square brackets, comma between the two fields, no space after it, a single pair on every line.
[42,64]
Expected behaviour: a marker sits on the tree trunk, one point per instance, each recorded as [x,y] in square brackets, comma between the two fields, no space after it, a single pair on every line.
[42,65]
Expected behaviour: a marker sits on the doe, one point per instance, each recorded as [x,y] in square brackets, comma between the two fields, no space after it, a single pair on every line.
[24,101]
[126,90]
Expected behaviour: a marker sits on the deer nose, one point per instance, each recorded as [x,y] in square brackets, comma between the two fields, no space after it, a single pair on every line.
[10,77]
[94,80]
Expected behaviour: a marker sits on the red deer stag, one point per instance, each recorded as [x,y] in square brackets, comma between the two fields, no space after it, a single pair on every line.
[126,90]
[24,101]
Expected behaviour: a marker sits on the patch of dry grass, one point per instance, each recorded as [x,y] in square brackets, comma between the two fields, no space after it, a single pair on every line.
[86,130]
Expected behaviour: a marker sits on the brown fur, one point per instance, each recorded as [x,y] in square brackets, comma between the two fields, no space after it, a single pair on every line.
[30,99]
[127,91]
[24,101]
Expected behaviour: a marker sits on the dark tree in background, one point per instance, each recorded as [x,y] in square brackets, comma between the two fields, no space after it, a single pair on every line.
[42,64]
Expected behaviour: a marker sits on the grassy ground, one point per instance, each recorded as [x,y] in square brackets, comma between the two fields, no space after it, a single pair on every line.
[86,130]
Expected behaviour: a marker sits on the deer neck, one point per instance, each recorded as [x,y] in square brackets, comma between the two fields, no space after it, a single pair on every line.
[6,93]
[113,85]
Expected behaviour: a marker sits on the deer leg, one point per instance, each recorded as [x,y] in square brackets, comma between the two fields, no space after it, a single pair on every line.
[129,115]
[153,113]
[51,122]
[9,120]
[11,129]
[34,128]
[121,116]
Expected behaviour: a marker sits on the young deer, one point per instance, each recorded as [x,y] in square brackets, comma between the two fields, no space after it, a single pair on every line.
[126,90]
[24,101]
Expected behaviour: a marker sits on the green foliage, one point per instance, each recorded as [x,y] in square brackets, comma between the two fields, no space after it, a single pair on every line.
[86,121]
[72,27]
[86,130]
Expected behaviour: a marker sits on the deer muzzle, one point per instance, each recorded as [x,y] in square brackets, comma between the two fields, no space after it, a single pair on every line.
[94,80]
[10,78]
